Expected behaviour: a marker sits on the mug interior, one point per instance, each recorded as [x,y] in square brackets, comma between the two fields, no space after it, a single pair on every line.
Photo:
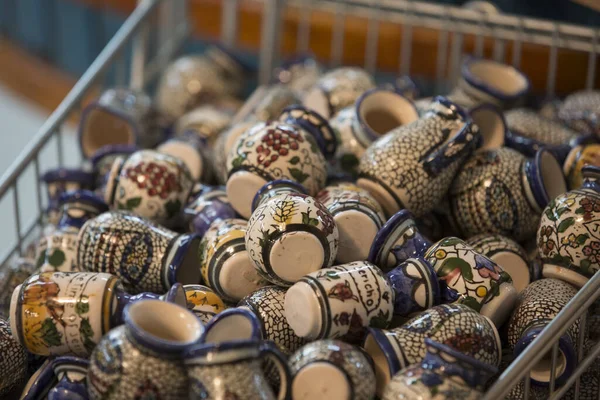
[552,175]
[541,371]
[228,328]
[103,127]
[500,77]
[491,126]
[382,110]
[382,368]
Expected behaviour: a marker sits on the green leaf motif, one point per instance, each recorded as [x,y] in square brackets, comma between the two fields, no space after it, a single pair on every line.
[133,203]
[49,334]
[82,306]
[380,320]
[450,264]
[332,275]
[451,241]
[89,344]
[580,210]
[57,258]
[172,208]
[470,302]
[295,160]
[85,328]
[582,238]
[557,259]
[585,266]
[565,224]
[41,259]
[561,211]
[549,214]
[238,161]
[298,175]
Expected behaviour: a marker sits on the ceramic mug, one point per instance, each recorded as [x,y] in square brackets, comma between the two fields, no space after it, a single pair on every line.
[331,369]
[119,116]
[13,273]
[443,371]
[233,370]
[145,256]
[13,363]
[338,301]
[61,180]
[352,207]
[102,161]
[153,185]
[143,357]
[473,279]
[444,136]
[60,379]
[313,124]
[455,325]
[268,152]
[205,122]
[205,208]
[194,152]
[337,89]
[225,263]
[299,73]
[581,111]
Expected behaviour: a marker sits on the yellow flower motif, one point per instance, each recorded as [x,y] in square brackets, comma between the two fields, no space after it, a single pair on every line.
[440,254]
[570,240]
[481,291]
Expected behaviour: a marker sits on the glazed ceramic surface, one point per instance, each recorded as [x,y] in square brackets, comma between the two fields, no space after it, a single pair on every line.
[538,304]
[103,159]
[63,313]
[203,302]
[13,363]
[508,254]
[331,369]
[272,151]
[153,185]
[338,301]
[143,358]
[444,373]
[225,263]
[205,122]
[194,152]
[529,131]
[206,207]
[487,81]
[412,167]
[268,304]
[63,378]
[581,111]
[58,251]
[500,191]
[120,116]
[299,73]
[415,285]
[233,371]
[145,256]
[454,325]
[313,124]
[473,279]
[12,274]
[290,235]
[567,234]
[59,181]
[375,113]
[337,89]
[579,157]
[352,207]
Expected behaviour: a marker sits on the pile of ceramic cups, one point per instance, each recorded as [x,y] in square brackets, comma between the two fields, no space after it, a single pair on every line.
[363,242]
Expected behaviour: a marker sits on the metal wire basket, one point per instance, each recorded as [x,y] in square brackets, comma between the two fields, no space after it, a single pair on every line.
[156,30]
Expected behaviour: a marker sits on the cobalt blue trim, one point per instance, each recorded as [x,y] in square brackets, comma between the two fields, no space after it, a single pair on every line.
[322,133]
[182,249]
[68,175]
[534,178]
[394,363]
[256,332]
[110,149]
[275,183]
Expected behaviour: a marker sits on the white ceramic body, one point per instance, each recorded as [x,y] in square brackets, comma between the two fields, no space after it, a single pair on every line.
[58,251]
[338,301]
[272,151]
[357,216]
[225,263]
[206,122]
[289,236]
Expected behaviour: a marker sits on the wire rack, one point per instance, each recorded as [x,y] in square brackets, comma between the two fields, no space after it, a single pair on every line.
[156,30]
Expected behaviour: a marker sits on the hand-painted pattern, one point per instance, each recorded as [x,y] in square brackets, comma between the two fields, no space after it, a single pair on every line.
[13,361]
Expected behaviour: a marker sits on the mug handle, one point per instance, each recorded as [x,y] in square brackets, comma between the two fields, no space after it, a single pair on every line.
[454,149]
[268,349]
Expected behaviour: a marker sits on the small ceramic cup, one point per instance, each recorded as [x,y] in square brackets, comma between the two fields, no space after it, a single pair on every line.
[272,151]
[61,180]
[337,89]
[144,357]
[454,325]
[62,378]
[145,256]
[119,116]
[267,303]
[473,279]
[338,301]
[102,161]
[193,151]
[207,207]
[507,253]
[580,156]
[398,240]
[13,363]
[225,263]
[487,81]
[58,251]
[331,369]
[375,113]
[233,370]
[203,301]
[205,122]
[529,132]
[12,274]
[299,73]
[416,287]
[152,185]
[352,207]
[290,234]
[538,305]
[581,111]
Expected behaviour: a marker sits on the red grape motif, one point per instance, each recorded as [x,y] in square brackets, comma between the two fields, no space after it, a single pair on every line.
[154,178]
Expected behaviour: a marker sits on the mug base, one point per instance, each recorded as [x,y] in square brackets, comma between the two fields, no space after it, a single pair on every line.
[320,380]
[354,244]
